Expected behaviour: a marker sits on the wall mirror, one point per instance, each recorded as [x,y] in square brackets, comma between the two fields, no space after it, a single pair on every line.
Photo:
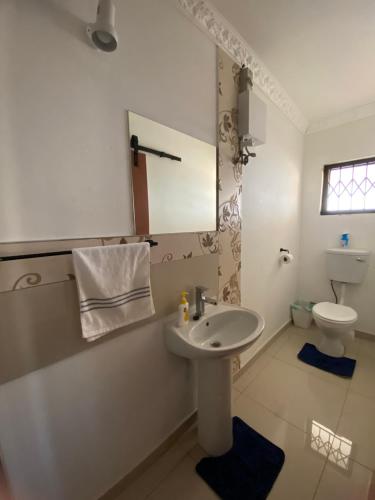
[174,179]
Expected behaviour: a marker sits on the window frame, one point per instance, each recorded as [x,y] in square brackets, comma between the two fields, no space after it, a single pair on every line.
[324,199]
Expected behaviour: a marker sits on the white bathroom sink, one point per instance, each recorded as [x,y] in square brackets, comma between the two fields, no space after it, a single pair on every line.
[223,331]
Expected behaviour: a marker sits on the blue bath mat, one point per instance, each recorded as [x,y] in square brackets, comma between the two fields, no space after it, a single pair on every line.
[248,470]
[344,367]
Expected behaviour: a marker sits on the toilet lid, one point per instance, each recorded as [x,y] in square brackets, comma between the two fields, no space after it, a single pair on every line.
[335,312]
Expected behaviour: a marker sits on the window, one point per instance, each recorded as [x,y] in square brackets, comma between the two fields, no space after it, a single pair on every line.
[349,187]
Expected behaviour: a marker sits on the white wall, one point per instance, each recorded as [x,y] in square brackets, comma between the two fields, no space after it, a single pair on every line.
[346,142]
[64,161]
[271,220]
[72,430]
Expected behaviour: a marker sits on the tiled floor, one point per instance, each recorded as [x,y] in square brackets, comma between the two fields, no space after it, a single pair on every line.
[318,420]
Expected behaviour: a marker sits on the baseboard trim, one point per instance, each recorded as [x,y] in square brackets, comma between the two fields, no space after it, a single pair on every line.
[257,353]
[121,485]
[365,335]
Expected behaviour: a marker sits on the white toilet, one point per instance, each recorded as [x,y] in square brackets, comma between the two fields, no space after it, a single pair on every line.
[336,321]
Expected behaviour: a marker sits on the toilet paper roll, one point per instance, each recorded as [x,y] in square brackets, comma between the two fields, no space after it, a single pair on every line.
[286,258]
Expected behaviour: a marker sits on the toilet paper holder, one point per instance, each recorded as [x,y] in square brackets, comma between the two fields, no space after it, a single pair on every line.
[285,256]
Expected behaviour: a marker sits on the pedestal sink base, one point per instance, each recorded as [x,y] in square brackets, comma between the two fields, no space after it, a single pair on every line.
[215,433]
[222,332]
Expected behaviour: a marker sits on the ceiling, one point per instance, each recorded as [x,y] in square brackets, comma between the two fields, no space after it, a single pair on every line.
[321,51]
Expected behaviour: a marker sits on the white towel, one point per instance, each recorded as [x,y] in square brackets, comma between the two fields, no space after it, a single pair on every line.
[113,286]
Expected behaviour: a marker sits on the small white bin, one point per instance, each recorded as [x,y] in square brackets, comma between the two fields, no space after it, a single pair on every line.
[302,313]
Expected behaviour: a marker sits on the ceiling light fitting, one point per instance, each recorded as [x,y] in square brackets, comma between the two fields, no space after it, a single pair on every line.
[102,33]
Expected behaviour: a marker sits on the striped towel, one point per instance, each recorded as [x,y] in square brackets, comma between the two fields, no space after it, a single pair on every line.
[113,286]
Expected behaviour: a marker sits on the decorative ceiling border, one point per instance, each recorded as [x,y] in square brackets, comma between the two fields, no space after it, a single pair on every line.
[211,22]
[343,118]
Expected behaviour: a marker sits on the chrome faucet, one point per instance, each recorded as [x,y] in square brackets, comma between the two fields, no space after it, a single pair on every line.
[200,300]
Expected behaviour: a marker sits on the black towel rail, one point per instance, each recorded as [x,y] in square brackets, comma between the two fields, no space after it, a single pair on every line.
[4,258]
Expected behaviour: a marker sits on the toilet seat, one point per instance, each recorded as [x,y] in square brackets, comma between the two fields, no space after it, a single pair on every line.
[335,313]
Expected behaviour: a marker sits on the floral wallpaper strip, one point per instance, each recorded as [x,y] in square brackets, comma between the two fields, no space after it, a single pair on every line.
[175,246]
[230,181]
[25,273]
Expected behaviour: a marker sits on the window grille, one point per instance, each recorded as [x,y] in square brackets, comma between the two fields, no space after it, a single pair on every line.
[349,187]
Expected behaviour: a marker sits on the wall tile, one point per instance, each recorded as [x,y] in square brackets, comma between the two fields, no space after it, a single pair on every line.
[230,179]
[26,273]
[40,326]
[175,246]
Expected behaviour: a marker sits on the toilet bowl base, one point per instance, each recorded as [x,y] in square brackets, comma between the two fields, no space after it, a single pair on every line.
[331,346]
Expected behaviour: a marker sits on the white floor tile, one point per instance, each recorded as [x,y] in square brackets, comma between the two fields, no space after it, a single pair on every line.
[364,376]
[183,483]
[297,396]
[335,484]
[289,352]
[302,468]
[235,394]
[357,424]
[252,371]
[280,397]
[367,346]
[276,344]
[143,485]
[197,453]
